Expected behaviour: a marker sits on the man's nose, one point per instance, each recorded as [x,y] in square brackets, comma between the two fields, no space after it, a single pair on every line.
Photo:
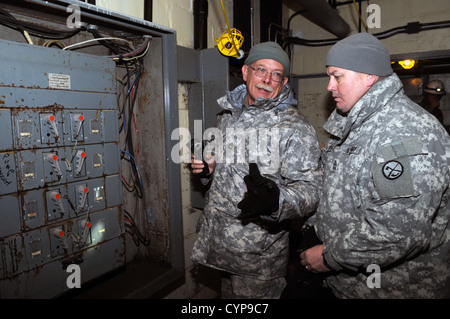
[331,85]
[267,78]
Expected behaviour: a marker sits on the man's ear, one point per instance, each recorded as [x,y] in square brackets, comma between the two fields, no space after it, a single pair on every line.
[371,79]
[244,72]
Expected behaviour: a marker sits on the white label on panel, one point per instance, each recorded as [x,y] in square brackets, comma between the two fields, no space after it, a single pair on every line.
[58,81]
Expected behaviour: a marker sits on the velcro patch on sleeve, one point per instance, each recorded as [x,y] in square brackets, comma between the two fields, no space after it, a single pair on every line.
[391,171]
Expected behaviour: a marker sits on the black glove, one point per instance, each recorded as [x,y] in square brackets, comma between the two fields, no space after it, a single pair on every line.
[262,196]
[197,148]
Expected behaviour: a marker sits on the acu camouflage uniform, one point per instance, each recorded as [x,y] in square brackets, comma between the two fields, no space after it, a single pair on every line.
[258,249]
[386,198]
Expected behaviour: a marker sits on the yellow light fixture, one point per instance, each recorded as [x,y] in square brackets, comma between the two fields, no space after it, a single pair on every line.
[231,40]
[407,64]
[229,43]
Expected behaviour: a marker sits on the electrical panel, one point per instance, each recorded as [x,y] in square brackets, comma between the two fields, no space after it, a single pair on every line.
[60,182]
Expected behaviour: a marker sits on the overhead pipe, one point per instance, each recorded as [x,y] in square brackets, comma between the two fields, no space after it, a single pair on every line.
[409,28]
[326,17]
[200,24]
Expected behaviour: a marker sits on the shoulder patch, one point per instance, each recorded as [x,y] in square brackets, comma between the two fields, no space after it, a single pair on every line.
[393,178]
[391,168]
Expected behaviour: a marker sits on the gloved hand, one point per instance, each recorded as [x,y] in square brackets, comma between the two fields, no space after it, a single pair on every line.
[197,148]
[262,196]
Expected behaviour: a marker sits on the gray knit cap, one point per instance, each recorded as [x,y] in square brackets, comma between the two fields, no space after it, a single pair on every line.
[268,50]
[361,52]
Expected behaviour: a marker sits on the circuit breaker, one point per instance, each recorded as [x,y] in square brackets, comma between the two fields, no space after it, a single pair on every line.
[60,182]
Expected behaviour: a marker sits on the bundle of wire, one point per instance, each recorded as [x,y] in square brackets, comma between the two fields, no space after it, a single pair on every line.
[132,61]
[133,230]
[27,28]
[134,68]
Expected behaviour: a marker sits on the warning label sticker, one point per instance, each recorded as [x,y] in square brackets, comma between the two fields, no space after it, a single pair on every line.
[58,81]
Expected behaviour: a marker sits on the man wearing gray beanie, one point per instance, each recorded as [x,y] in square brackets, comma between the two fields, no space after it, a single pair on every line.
[384,212]
[264,173]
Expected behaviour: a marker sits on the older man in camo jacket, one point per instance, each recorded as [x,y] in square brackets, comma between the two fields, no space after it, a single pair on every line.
[243,230]
[384,212]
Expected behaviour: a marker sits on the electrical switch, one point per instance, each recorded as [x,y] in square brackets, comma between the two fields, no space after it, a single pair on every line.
[86,226]
[79,160]
[51,121]
[78,120]
[53,159]
[82,192]
[60,235]
[57,200]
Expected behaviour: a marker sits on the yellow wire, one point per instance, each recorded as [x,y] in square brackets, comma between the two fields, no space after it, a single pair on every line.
[360,18]
[27,36]
[225,15]
[228,26]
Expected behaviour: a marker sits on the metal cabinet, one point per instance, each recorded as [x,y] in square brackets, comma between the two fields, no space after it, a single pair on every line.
[60,191]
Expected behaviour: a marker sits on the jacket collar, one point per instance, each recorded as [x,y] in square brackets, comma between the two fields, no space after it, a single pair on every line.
[234,100]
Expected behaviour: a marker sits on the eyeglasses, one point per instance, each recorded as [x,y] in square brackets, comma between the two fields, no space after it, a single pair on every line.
[262,73]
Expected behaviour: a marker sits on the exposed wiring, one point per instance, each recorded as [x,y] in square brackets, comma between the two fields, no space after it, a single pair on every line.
[96,40]
[134,55]
[49,43]
[135,166]
[27,36]
[132,61]
[138,53]
[131,98]
[133,230]
[9,20]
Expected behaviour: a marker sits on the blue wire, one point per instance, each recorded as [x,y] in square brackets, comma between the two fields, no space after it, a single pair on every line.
[132,84]
[123,110]
[135,165]
[125,128]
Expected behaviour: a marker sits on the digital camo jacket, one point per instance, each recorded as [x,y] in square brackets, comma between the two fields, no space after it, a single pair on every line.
[275,135]
[385,198]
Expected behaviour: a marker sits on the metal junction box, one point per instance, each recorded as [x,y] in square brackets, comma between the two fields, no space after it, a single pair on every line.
[60,182]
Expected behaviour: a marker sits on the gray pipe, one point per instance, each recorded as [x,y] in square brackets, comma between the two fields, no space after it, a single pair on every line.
[326,17]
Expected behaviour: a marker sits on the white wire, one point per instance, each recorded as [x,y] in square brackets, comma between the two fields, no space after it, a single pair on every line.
[97,39]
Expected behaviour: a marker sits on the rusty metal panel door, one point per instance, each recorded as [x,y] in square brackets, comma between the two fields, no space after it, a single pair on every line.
[59,163]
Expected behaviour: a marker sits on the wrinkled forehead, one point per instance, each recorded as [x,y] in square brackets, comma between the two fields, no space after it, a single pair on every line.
[268,64]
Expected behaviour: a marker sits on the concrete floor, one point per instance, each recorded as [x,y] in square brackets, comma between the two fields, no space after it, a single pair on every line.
[137,280]
[145,280]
